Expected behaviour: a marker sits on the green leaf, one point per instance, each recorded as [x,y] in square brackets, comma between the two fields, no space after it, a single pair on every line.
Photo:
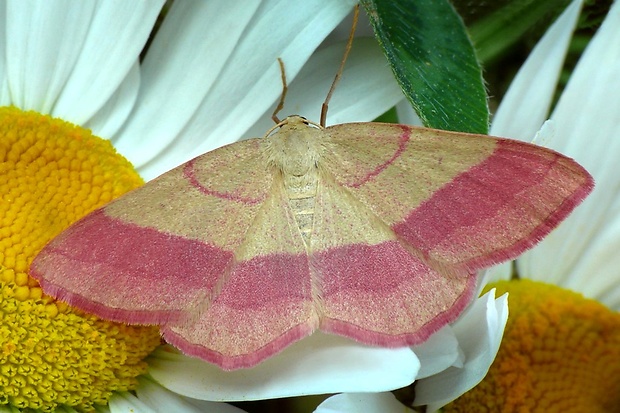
[388,117]
[433,59]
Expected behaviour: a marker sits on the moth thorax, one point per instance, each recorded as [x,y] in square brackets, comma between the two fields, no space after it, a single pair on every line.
[295,151]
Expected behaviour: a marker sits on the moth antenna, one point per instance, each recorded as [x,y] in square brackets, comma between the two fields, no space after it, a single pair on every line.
[356,12]
[274,116]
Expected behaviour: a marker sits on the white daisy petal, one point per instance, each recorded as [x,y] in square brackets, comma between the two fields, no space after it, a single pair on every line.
[250,80]
[124,402]
[162,400]
[546,135]
[406,114]
[438,353]
[295,37]
[105,60]
[38,66]
[343,30]
[367,88]
[109,119]
[479,342]
[525,106]
[601,265]
[182,65]
[362,402]
[5,97]
[585,245]
[317,364]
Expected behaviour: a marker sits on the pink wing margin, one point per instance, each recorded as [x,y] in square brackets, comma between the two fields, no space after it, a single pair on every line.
[159,252]
[475,211]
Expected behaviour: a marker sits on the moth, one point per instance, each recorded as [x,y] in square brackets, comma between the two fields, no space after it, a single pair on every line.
[371,231]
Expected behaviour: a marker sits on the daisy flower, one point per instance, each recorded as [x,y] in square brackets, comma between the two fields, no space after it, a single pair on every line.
[560,350]
[73,90]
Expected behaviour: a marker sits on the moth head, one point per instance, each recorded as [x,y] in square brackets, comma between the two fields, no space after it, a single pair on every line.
[296,147]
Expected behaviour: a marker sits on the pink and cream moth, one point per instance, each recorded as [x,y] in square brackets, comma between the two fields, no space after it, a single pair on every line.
[367,230]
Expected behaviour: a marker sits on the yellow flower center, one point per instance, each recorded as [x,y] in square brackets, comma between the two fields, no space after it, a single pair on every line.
[560,353]
[51,174]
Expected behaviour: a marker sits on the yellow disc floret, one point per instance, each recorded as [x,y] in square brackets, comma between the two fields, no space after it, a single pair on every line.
[560,353]
[51,174]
